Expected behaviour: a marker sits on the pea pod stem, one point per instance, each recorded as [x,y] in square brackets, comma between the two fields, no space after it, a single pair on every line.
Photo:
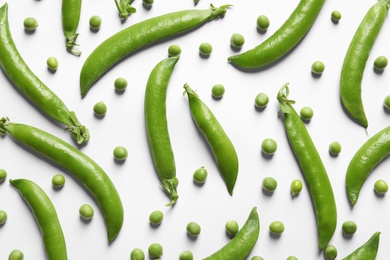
[367,251]
[125,9]
[71,10]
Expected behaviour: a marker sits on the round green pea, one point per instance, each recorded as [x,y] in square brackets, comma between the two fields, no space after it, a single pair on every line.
[257,258]
[306,113]
[291,257]
[261,100]
[186,255]
[296,187]
[155,250]
[262,22]
[269,184]
[205,49]
[335,148]
[3,175]
[137,254]
[232,227]
[269,146]
[30,23]
[86,212]
[330,252]
[156,217]
[16,254]
[381,186]
[3,217]
[380,63]
[237,40]
[218,90]
[200,175]
[120,84]
[100,108]
[276,227]
[318,67]
[336,15]
[148,2]
[386,102]
[120,153]
[58,180]
[349,227]
[193,229]
[174,50]
[95,22]
[52,63]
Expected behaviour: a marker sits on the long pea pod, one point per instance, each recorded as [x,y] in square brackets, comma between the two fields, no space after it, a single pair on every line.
[71,10]
[46,217]
[31,86]
[313,169]
[87,171]
[157,126]
[356,58]
[367,251]
[283,40]
[138,35]
[125,9]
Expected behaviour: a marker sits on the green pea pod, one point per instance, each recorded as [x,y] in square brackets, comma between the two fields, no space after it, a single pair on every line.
[312,168]
[87,171]
[139,35]
[221,146]
[367,251]
[71,10]
[356,58]
[46,217]
[125,9]
[242,244]
[31,86]
[369,155]
[283,40]
[157,126]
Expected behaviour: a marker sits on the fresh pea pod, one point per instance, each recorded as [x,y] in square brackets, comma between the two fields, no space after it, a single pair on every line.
[139,35]
[242,244]
[312,168]
[125,9]
[71,10]
[369,155]
[221,146]
[367,251]
[356,58]
[46,217]
[283,40]
[31,86]
[157,126]
[89,173]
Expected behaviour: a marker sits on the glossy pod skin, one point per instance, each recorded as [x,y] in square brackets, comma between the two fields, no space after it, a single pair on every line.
[221,146]
[139,35]
[125,9]
[31,86]
[369,155]
[157,126]
[46,217]
[87,171]
[367,251]
[71,10]
[356,58]
[313,169]
[243,242]
[283,40]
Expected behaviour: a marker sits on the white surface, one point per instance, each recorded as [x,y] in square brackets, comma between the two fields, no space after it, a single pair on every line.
[210,205]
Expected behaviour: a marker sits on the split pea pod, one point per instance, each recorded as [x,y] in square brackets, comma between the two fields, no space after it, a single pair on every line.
[283,40]
[141,34]
[367,251]
[31,86]
[157,126]
[125,9]
[369,155]
[242,244]
[356,58]
[87,171]
[221,146]
[46,217]
[71,10]
[313,169]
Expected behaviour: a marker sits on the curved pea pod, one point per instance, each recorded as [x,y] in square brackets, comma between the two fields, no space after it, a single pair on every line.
[367,251]
[46,217]
[71,10]
[243,242]
[87,171]
[312,168]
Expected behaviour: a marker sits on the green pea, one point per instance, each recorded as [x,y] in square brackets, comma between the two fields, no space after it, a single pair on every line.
[237,40]
[276,227]
[120,84]
[3,217]
[232,227]
[200,175]
[318,67]
[58,180]
[100,109]
[296,187]
[186,255]
[330,252]
[349,227]
[381,186]
[262,22]
[269,146]
[3,175]
[386,102]
[156,217]
[137,254]
[257,258]
[269,184]
[336,16]
[174,50]
[120,153]
[261,100]
[52,63]
[86,212]
[335,148]
[155,250]
[95,22]
[148,2]
[16,254]
[193,229]
[30,23]
[205,49]
[291,257]
[218,90]
[380,63]
[307,113]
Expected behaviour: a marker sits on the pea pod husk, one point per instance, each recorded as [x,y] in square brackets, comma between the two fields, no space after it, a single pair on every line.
[71,10]
[367,251]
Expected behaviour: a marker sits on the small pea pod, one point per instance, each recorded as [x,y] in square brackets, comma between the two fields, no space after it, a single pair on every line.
[367,251]
[369,155]
[312,168]
[87,171]
[356,58]
[125,9]
[141,34]
[46,217]
[71,10]
[31,86]
[157,126]
[283,40]
[221,146]
[242,244]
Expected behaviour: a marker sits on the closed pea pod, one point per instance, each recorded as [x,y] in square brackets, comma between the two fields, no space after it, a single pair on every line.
[157,126]
[367,251]
[221,146]
[71,10]
[312,168]
[356,58]
[87,171]
[46,217]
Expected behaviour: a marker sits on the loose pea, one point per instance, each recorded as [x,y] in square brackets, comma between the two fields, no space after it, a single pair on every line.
[156,217]
[174,50]
[318,67]
[58,180]
[86,211]
[257,258]
[330,252]
[261,100]
[218,90]
[386,102]
[52,63]
[148,2]
[336,15]
[200,175]
[120,84]
[262,22]
[120,153]
[269,184]
[307,113]
[3,217]
[291,257]
[237,40]
[335,148]
[232,227]
[137,254]
[30,23]
[193,229]
[380,63]
[155,250]
[349,227]
[16,255]
[276,227]
[381,186]
[269,146]
[100,108]
[3,175]
[296,187]
[95,22]
[205,49]
[186,255]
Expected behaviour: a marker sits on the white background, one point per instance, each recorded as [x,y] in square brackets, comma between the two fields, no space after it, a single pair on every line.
[210,205]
